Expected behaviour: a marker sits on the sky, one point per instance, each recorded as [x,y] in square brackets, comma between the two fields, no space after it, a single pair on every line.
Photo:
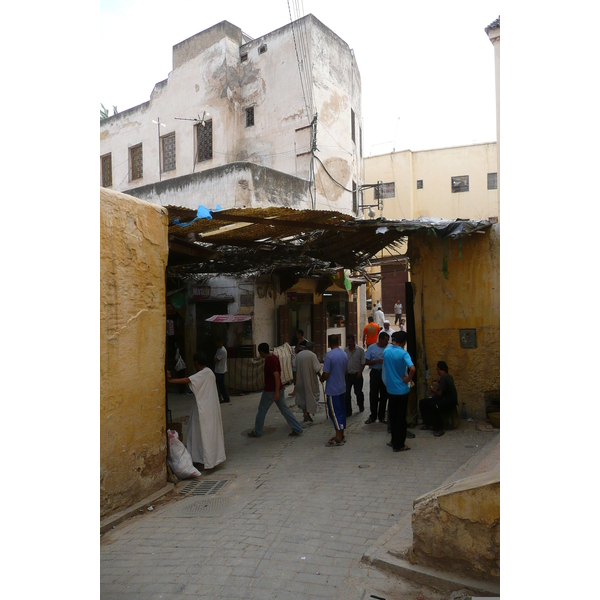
[427,68]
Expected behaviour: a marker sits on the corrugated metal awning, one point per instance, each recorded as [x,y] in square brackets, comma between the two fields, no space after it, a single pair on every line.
[229,318]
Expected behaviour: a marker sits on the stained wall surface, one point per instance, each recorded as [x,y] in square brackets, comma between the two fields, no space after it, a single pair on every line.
[133,258]
[457,286]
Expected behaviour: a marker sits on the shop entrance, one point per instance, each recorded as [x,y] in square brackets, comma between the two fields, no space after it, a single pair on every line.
[207,332]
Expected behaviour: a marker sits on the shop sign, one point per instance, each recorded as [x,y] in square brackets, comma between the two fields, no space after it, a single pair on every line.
[201,292]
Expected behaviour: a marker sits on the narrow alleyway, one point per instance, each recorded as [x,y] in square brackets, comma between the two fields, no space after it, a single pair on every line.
[292,520]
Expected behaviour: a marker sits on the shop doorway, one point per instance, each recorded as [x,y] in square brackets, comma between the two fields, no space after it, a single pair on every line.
[207,332]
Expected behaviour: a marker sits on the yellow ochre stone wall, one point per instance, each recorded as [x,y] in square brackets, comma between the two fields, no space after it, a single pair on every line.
[468,298]
[133,258]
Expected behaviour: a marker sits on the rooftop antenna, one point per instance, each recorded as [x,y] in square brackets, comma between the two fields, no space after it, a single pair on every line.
[198,119]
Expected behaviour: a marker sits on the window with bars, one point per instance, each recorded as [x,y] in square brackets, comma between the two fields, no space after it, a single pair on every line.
[460,183]
[352,125]
[492,181]
[169,160]
[419,184]
[204,149]
[262,49]
[250,116]
[244,57]
[136,162]
[106,162]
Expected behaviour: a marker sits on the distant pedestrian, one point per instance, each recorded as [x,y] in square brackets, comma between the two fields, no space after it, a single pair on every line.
[308,388]
[299,342]
[271,394]
[377,389]
[370,333]
[205,441]
[397,312]
[403,324]
[220,370]
[354,378]
[395,363]
[444,397]
[334,373]
[379,317]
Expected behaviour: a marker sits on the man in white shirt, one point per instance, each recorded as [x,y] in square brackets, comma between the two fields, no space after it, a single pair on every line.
[220,370]
[388,330]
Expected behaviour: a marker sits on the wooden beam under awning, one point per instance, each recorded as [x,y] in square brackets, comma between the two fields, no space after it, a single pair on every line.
[300,225]
[183,252]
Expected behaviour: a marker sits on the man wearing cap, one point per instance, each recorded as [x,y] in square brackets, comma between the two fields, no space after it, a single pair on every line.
[379,316]
[307,381]
[354,379]
[388,329]
[271,394]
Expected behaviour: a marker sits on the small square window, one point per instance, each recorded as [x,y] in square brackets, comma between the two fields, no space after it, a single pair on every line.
[136,162]
[262,49]
[250,116]
[460,183]
[106,161]
[492,181]
[168,152]
[419,184]
[244,57]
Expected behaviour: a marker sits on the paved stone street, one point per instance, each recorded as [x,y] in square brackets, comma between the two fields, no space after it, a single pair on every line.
[293,519]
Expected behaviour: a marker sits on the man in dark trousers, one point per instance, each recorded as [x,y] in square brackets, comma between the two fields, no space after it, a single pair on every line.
[377,391]
[398,372]
[354,378]
[445,396]
[271,393]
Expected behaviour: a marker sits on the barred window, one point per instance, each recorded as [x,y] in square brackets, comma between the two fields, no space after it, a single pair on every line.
[250,116]
[204,141]
[168,152]
[106,161]
[352,125]
[492,181]
[419,184]
[262,49]
[460,183]
[136,162]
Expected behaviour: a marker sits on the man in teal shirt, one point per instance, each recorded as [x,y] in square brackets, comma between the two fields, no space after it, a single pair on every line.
[398,372]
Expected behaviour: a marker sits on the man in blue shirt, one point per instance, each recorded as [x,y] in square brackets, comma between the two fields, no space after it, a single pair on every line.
[377,391]
[398,372]
[335,366]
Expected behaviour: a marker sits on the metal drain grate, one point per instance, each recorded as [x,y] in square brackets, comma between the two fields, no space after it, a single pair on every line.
[206,507]
[203,487]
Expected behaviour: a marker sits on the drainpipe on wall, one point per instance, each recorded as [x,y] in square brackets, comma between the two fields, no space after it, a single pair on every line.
[424,353]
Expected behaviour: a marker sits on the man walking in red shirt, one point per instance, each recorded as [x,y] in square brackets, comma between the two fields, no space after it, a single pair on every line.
[271,394]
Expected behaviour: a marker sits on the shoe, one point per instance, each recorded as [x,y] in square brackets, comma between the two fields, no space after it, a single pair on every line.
[224,401]
[389,444]
[361,409]
[334,442]
[369,421]
[308,418]
[295,433]
[252,434]
[401,449]
[410,434]
[383,421]
[425,428]
[439,433]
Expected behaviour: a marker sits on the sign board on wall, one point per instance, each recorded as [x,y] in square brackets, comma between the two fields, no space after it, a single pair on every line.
[201,292]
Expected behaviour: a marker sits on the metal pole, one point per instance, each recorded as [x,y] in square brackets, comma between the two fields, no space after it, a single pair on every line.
[158,129]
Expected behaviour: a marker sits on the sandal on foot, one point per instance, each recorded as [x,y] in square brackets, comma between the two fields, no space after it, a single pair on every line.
[401,449]
[252,434]
[439,433]
[369,421]
[333,442]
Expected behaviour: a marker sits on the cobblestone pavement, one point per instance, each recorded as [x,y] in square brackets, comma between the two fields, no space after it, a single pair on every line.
[294,518]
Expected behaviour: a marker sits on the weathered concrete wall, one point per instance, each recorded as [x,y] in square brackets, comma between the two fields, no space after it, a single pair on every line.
[456,528]
[468,298]
[236,185]
[133,257]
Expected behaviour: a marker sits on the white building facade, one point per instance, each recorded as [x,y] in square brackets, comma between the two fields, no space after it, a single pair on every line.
[255,118]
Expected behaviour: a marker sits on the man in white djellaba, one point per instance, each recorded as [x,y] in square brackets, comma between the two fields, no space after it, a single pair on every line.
[205,440]
[308,387]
